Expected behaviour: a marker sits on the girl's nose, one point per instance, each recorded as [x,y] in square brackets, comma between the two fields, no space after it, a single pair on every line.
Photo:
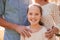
[33,16]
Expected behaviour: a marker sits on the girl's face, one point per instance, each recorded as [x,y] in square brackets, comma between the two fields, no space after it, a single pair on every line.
[34,15]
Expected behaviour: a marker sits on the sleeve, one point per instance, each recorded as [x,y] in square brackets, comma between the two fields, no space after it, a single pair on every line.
[1,7]
[56,16]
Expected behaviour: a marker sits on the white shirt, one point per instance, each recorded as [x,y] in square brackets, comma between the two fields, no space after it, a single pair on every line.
[40,35]
[50,15]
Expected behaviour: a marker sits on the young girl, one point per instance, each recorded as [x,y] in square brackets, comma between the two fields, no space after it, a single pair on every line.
[34,15]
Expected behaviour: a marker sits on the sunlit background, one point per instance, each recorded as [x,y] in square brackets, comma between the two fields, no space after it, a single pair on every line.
[54,1]
[2,29]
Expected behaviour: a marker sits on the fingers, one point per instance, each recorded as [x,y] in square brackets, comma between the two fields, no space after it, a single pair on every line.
[52,27]
[49,31]
[23,34]
[55,30]
[26,32]
[49,34]
[29,30]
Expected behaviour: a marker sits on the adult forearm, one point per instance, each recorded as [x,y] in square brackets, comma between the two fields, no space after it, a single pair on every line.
[6,24]
[18,28]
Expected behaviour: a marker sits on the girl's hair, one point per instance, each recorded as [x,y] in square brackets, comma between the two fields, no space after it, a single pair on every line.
[37,5]
[46,0]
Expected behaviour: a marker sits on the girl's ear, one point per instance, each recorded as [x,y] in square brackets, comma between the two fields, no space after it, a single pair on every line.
[27,16]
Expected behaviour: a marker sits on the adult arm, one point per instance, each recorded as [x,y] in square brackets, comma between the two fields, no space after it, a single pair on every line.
[55,17]
[18,28]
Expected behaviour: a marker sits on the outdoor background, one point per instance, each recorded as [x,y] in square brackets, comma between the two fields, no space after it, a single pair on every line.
[2,29]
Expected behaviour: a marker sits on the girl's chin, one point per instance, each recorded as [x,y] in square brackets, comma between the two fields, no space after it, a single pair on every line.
[33,23]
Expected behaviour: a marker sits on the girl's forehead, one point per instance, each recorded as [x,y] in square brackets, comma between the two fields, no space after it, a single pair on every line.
[33,7]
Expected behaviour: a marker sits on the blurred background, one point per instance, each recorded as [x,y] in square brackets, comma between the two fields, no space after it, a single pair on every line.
[54,1]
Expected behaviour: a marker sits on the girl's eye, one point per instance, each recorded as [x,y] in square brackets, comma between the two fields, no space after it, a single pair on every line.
[36,14]
[30,13]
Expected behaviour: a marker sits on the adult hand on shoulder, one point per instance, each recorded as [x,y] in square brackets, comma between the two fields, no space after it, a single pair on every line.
[22,30]
[50,33]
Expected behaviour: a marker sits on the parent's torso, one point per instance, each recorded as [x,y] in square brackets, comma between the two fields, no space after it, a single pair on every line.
[15,12]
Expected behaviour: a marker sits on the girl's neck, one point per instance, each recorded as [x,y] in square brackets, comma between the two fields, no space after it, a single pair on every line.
[35,27]
[42,3]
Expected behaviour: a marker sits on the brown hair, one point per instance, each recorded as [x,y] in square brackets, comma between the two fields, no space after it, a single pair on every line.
[46,0]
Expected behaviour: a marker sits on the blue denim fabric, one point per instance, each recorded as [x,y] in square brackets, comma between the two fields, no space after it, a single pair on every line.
[15,12]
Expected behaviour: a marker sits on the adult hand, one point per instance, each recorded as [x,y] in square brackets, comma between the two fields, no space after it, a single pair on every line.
[50,33]
[22,30]
[55,30]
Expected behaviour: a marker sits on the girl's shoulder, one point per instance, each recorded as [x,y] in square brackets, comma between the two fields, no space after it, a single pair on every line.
[28,27]
[44,28]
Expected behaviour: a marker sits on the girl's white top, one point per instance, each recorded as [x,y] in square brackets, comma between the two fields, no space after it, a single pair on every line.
[40,35]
